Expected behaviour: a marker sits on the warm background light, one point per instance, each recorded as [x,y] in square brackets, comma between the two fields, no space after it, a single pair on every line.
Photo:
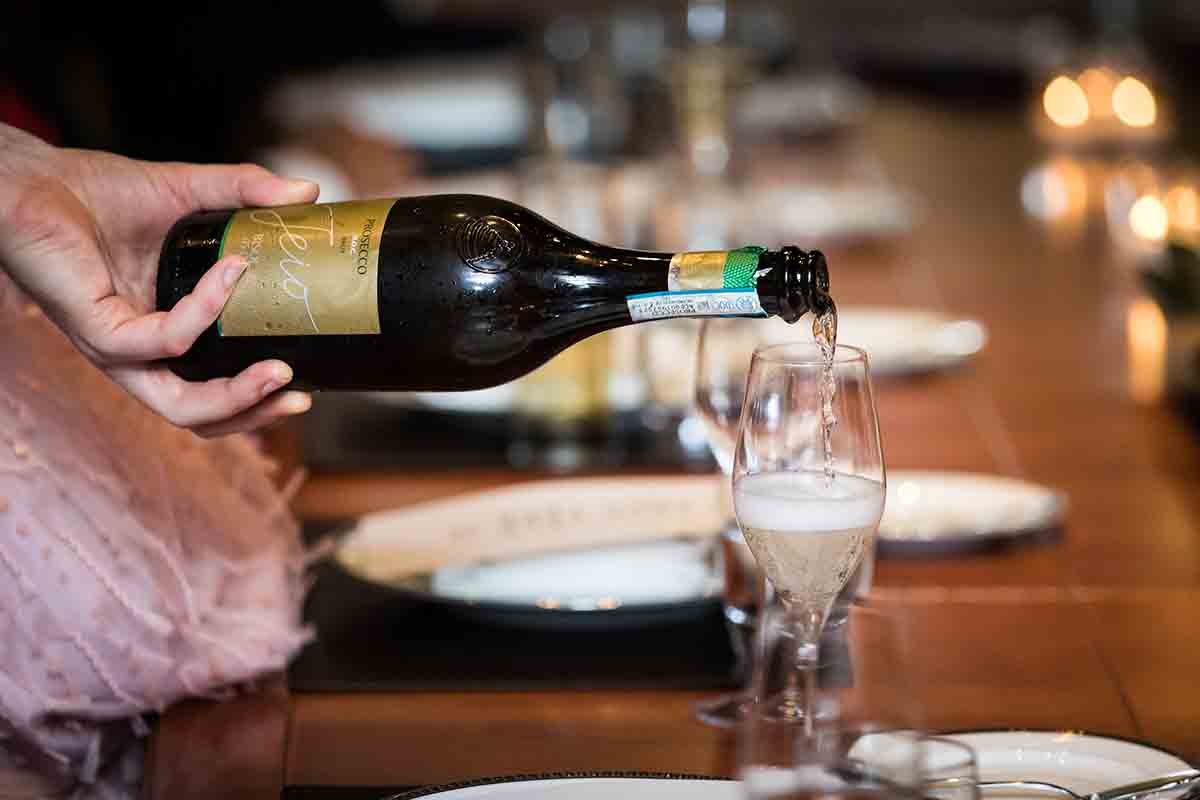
[1133,103]
[1148,219]
[1098,84]
[1183,208]
[1065,102]
[1146,334]
[1057,191]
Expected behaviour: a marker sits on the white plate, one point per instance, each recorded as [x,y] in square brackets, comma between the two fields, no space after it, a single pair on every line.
[898,341]
[928,510]
[586,788]
[824,213]
[677,571]
[497,400]
[574,552]
[902,341]
[813,105]
[439,105]
[1080,762]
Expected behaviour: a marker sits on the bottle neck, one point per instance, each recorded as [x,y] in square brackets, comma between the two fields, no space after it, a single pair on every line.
[792,282]
[748,281]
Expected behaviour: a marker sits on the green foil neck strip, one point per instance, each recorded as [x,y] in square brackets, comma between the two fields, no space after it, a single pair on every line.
[740,266]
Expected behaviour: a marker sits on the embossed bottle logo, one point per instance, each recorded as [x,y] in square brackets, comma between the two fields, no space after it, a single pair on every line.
[490,244]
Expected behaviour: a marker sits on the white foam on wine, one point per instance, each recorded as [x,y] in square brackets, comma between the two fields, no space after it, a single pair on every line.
[804,502]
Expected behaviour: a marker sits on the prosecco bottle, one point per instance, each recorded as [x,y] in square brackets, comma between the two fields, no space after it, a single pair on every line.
[446,292]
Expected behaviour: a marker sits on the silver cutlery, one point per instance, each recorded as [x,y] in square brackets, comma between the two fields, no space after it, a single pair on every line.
[1133,791]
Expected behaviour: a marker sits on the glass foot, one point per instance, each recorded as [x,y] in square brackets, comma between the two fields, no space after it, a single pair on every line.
[725,711]
[789,706]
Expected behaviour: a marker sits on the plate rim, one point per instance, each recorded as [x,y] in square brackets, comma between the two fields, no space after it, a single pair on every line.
[432,791]
[1081,732]
[929,362]
[1058,504]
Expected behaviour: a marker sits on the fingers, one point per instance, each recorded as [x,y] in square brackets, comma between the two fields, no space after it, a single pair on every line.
[120,334]
[218,186]
[268,412]
[195,404]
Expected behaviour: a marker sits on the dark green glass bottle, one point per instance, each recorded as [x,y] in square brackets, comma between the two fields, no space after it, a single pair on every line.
[447,292]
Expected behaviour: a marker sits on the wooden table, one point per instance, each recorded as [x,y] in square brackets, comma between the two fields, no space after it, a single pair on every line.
[1095,629]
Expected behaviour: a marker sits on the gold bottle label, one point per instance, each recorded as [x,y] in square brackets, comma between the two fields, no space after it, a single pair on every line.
[699,270]
[313,269]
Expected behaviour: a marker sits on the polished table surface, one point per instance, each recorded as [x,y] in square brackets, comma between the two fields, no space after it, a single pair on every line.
[1093,629]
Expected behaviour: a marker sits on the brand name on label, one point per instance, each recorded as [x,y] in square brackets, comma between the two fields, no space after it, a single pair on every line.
[313,269]
[363,252]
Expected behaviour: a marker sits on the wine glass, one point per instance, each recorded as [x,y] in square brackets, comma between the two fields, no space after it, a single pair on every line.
[862,742]
[723,356]
[722,361]
[950,771]
[808,488]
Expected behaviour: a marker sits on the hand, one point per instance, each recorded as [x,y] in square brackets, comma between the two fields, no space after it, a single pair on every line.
[80,232]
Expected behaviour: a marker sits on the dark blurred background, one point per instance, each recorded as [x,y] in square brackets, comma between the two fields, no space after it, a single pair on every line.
[187,81]
[669,125]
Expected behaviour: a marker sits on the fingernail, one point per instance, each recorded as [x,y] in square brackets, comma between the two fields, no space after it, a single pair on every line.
[233,272]
[303,184]
[280,376]
[297,403]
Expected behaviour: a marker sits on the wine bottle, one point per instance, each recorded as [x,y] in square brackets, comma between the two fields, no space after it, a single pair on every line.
[446,292]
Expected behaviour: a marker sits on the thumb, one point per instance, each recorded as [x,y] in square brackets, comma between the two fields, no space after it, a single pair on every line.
[219,186]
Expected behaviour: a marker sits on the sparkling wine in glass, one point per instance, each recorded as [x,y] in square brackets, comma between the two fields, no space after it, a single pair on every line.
[808,485]
[722,364]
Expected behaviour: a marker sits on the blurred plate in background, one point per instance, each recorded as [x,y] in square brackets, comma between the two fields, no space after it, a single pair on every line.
[930,512]
[811,105]
[607,587]
[904,341]
[898,341]
[497,400]
[435,105]
[575,553]
[828,214]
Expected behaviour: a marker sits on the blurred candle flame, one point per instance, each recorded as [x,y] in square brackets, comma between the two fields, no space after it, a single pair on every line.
[1098,84]
[1134,103]
[1065,102]
[1183,208]
[1148,219]
[1146,334]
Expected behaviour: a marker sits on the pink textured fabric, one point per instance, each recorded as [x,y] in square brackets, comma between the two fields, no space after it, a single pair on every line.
[139,564]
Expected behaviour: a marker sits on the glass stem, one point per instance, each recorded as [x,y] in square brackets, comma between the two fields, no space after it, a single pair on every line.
[806,622]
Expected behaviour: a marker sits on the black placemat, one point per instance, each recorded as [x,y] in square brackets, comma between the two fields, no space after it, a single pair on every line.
[372,639]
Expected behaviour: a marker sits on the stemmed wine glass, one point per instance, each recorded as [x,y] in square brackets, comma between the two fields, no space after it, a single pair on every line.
[722,362]
[808,487]
[725,348]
